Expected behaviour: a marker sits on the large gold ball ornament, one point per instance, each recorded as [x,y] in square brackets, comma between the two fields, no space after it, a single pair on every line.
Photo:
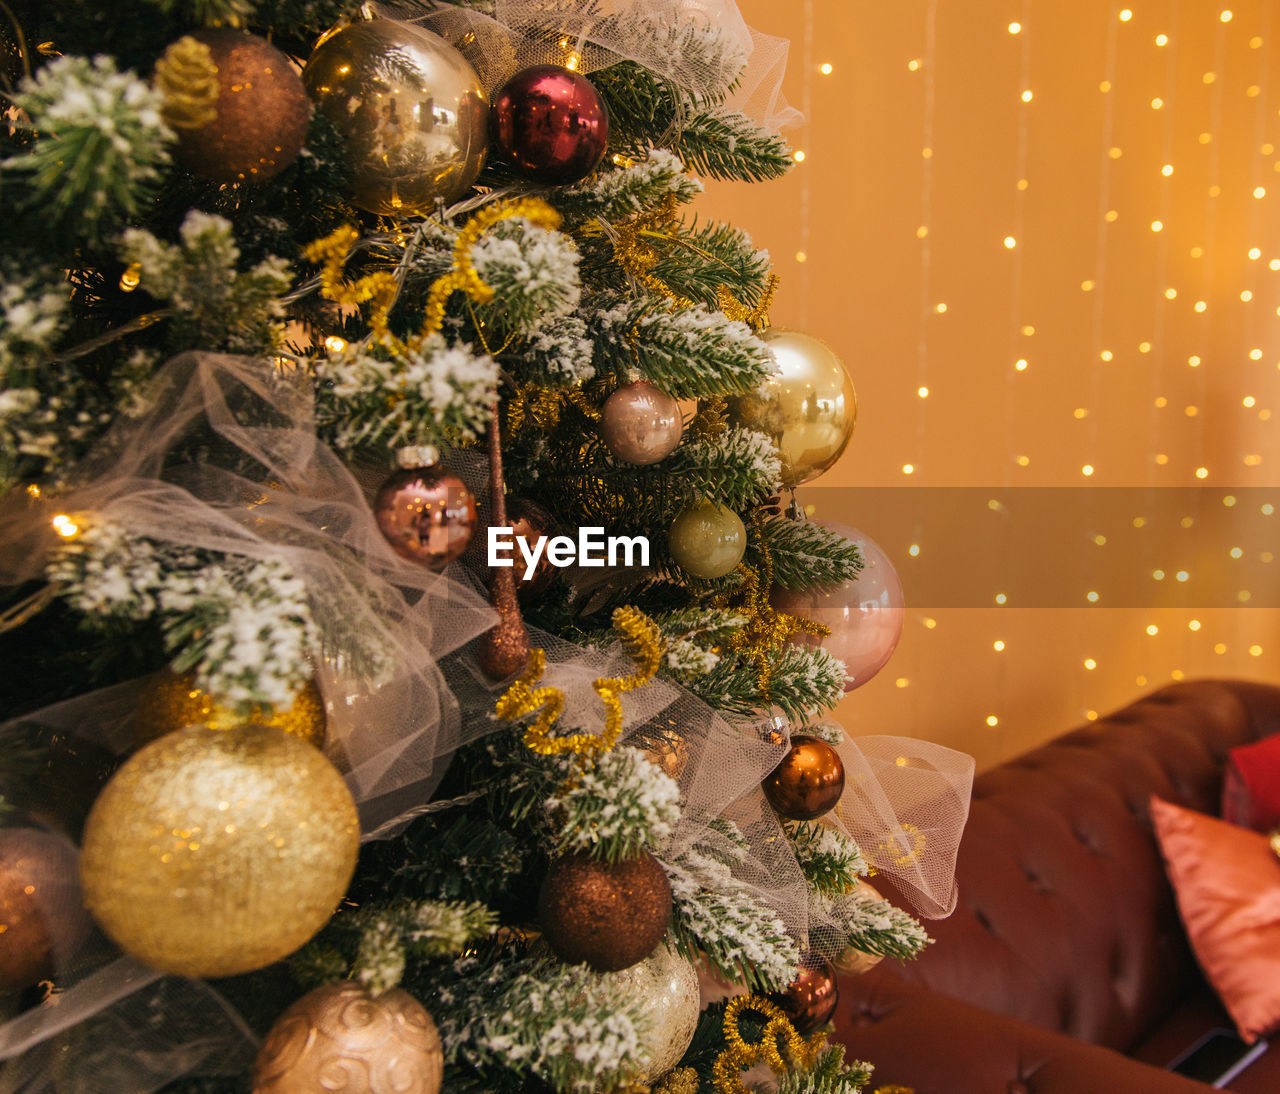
[172,701]
[808,407]
[707,540]
[665,986]
[607,914]
[213,852]
[410,109]
[341,1040]
[42,916]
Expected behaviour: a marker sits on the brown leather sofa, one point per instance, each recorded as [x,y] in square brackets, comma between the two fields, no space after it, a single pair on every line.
[1065,967]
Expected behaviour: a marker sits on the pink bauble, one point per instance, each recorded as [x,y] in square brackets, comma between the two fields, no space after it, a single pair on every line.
[641,424]
[865,615]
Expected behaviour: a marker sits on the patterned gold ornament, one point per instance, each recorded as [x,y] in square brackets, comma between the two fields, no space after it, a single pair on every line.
[342,1040]
[665,986]
[411,110]
[215,852]
[808,407]
[172,701]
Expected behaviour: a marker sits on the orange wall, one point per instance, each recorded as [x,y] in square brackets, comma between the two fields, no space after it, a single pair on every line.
[923,152]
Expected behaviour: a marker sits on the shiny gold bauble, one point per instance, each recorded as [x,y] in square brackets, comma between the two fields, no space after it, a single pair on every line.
[213,852]
[42,916]
[607,914]
[808,782]
[340,1039]
[172,701]
[410,109]
[808,407]
[665,986]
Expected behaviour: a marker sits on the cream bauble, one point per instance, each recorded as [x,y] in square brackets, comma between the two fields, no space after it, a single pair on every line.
[665,985]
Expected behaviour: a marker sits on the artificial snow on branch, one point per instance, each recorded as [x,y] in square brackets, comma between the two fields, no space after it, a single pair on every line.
[805,555]
[832,863]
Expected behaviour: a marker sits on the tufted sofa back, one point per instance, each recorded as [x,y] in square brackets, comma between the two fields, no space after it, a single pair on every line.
[1065,918]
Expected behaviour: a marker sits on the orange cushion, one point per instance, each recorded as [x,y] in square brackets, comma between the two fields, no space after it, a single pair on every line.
[1227,881]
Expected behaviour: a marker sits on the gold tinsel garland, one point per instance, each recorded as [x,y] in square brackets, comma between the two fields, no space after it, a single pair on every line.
[640,637]
[780,1045]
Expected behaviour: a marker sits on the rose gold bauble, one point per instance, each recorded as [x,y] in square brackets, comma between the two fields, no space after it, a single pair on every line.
[426,514]
[262,112]
[42,916]
[808,782]
[607,914]
[810,999]
[341,1040]
[641,424]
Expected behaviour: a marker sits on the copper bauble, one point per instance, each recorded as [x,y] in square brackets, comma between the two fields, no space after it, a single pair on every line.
[528,522]
[426,514]
[808,407]
[665,986]
[341,1039]
[707,540]
[410,109]
[808,782]
[810,999]
[607,914]
[42,916]
[262,112]
[213,852]
[549,124]
[641,424]
[172,700]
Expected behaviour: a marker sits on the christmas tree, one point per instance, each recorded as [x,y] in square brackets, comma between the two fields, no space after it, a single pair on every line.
[414,672]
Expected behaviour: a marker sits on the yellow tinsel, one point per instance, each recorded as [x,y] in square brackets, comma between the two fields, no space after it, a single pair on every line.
[892,845]
[188,78]
[780,1046]
[640,637]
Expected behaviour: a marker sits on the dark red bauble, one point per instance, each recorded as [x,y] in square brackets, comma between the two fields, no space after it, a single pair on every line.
[808,782]
[609,915]
[810,999]
[549,124]
[426,515]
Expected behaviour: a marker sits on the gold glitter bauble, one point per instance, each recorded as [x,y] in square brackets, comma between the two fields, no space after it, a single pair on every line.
[342,1040]
[214,852]
[607,914]
[665,986]
[808,407]
[411,110]
[42,916]
[172,701]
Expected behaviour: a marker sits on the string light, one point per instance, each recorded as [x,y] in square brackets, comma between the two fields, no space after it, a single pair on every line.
[998,645]
[1090,663]
[335,344]
[1015,28]
[1193,625]
[1001,598]
[1091,596]
[992,720]
[826,68]
[1152,629]
[65,526]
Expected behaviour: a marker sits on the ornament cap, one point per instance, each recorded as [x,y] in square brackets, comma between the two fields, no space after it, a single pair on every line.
[417,455]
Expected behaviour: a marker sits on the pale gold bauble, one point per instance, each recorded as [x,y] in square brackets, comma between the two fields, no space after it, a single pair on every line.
[213,852]
[808,407]
[171,701]
[410,109]
[341,1040]
[665,986]
[854,962]
[707,540]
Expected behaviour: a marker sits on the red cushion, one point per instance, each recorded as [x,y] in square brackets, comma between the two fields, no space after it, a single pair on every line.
[1251,786]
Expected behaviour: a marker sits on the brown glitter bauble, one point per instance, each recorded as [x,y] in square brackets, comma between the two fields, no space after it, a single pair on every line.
[171,701]
[262,112]
[810,999]
[641,424]
[342,1040]
[426,514]
[808,782]
[213,852]
[607,914]
[42,916]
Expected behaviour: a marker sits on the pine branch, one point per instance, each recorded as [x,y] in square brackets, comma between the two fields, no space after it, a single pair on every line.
[867,923]
[735,469]
[629,191]
[831,863]
[828,1075]
[803,683]
[806,555]
[698,260]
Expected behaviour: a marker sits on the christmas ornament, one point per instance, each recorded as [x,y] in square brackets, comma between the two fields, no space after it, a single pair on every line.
[641,424]
[665,986]
[607,914]
[340,1038]
[425,513]
[410,109]
[808,782]
[810,999]
[237,105]
[665,747]
[214,852]
[707,540]
[808,407]
[172,701]
[865,615]
[528,522]
[42,917]
[505,648]
[549,124]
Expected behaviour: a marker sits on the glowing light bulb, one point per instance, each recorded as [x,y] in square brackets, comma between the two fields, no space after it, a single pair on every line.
[826,68]
[1157,225]
[908,468]
[1193,625]
[941,309]
[998,646]
[1255,651]
[1001,598]
[1158,574]
[131,278]
[992,720]
[1229,501]
[1087,470]
[1161,402]
[1259,191]
[335,343]
[1248,400]
[1027,96]
[930,624]
[1255,355]
[913,65]
[1010,243]
[902,682]
[1024,461]
[1079,413]
[1194,360]
[914,550]
[1015,28]
[1202,472]
[1225,15]
[1144,347]
[1200,306]
[1020,364]
[1255,253]
[1171,294]
[1220,647]
[1100,540]
[1161,459]
[1104,86]
[1167,170]
[1162,39]
[1087,285]
[1091,596]
[1090,663]
[1106,355]
[1157,103]
[65,526]
[1182,576]
[923,392]
[1152,629]
[1126,15]
[1235,552]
